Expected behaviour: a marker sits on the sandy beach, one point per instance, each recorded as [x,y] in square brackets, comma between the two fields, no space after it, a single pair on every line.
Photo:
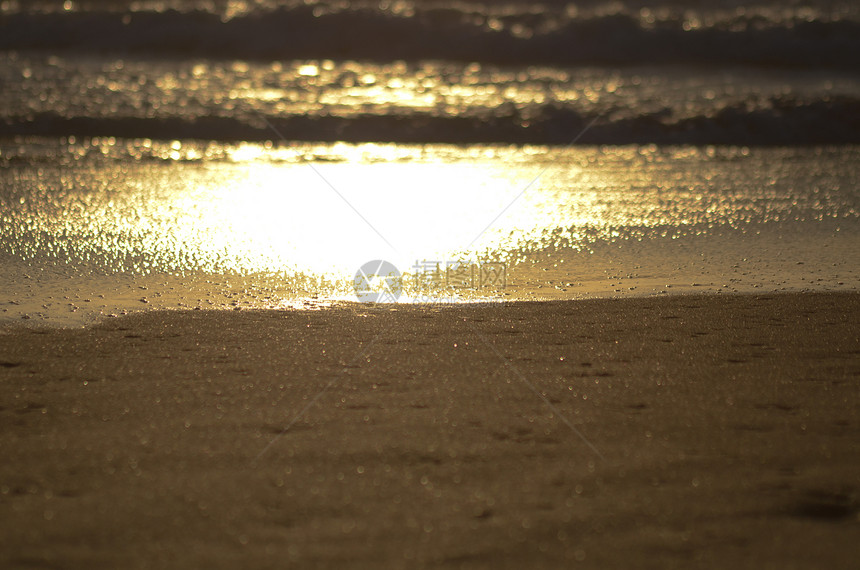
[620,240]
[686,431]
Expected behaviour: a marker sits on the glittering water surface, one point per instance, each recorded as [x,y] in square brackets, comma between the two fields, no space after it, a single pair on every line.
[139,223]
[99,87]
[141,206]
[422,101]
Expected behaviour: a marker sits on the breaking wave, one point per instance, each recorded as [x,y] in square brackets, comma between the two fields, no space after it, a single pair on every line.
[458,32]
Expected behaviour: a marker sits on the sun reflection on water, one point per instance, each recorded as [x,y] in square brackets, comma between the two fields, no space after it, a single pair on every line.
[319,211]
[331,218]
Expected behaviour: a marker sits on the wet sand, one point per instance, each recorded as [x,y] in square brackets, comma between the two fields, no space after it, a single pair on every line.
[703,431]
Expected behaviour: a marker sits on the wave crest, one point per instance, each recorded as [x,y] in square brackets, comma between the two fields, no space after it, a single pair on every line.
[457,34]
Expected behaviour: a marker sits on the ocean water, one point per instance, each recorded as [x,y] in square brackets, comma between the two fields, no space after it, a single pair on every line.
[200,154]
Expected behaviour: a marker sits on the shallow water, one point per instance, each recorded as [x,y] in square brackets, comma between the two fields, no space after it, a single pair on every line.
[154,154]
[253,225]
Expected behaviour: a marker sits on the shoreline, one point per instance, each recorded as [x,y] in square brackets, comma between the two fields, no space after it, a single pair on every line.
[771,261]
[656,431]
